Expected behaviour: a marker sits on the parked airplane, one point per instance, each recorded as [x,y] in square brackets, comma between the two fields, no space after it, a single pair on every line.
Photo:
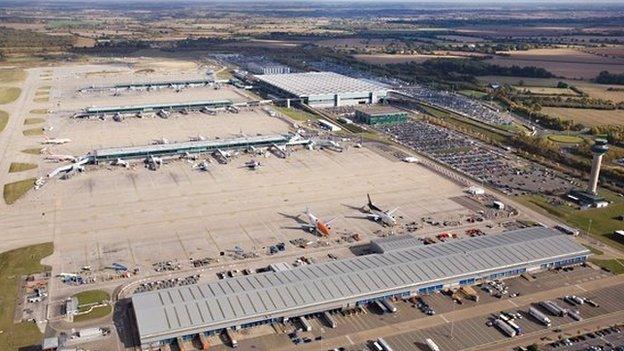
[60,158]
[160,141]
[253,164]
[279,150]
[202,166]
[379,215]
[221,156]
[316,225]
[153,163]
[163,114]
[120,162]
[208,110]
[56,141]
[199,137]
[118,117]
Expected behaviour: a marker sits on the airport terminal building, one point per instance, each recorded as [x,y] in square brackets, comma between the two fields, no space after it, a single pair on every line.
[322,89]
[401,268]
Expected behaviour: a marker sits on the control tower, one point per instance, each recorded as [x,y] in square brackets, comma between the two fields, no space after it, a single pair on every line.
[599,148]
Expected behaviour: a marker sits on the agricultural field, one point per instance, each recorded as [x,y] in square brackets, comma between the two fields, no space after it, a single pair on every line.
[383,59]
[587,117]
[13,265]
[613,93]
[563,62]
[565,139]
[546,90]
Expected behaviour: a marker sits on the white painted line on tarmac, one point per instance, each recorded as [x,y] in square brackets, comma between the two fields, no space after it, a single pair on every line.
[445,320]
[580,287]
[513,303]
[350,341]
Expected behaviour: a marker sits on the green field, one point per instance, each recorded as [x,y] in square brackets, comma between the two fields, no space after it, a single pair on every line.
[32,151]
[13,265]
[565,139]
[33,120]
[39,111]
[92,296]
[33,132]
[10,75]
[601,222]
[473,93]
[296,114]
[614,266]
[97,312]
[21,167]
[9,94]
[4,119]
[15,190]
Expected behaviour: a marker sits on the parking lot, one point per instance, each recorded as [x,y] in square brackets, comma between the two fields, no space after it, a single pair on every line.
[473,329]
[501,169]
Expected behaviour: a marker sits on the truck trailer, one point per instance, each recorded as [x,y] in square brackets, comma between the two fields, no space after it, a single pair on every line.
[537,314]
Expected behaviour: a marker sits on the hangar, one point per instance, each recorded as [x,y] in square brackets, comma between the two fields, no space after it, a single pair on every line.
[323,89]
[185,311]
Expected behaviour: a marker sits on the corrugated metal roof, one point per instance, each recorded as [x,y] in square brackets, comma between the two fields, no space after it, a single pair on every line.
[105,109]
[163,313]
[395,242]
[319,83]
[210,144]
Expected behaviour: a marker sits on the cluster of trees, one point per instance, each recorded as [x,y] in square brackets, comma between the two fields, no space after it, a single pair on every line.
[613,133]
[537,102]
[19,38]
[605,77]
[473,67]
[532,112]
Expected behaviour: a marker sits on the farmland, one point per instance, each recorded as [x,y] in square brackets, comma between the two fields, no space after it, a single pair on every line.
[563,62]
[588,117]
[382,59]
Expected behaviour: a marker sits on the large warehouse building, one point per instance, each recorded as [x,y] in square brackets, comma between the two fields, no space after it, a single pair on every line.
[322,89]
[399,271]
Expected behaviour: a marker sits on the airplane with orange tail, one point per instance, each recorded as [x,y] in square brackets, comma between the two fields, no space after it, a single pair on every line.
[317,225]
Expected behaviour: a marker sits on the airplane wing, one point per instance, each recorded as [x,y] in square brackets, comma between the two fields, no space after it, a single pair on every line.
[392,211]
[331,220]
[372,216]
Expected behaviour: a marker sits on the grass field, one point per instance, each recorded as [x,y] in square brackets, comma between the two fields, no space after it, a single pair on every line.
[33,151]
[601,222]
[21,167]
[9,94]
[296,114]
[594,250]
[42,99]
[15,190]
[537,90]
[10,75]
[473,93]
[4,119]
[225,73]
[13,265]
[92,296]
[565,139]
[33,120]
[593,90]
[33,132]
[614,266]
[564,62]
[383,59]
[587,117]
[39,111]
[97,312]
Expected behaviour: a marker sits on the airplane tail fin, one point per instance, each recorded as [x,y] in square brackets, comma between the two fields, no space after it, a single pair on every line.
[370,202]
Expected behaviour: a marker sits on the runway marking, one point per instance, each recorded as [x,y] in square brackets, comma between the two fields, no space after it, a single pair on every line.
[513,303]
[350,341]
[444,318]
[581,288]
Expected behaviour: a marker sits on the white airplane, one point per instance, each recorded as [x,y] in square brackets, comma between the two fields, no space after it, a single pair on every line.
[60,158]
[317,225]
[184,111]
[279,151]
[163,114]
[189,156]
[153,162]
[160,141]
[118,117]
[221,156]
[120,162]
[379,215]
[210,111]
[56,141]
[203,166]
[199,137]
[253,164]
